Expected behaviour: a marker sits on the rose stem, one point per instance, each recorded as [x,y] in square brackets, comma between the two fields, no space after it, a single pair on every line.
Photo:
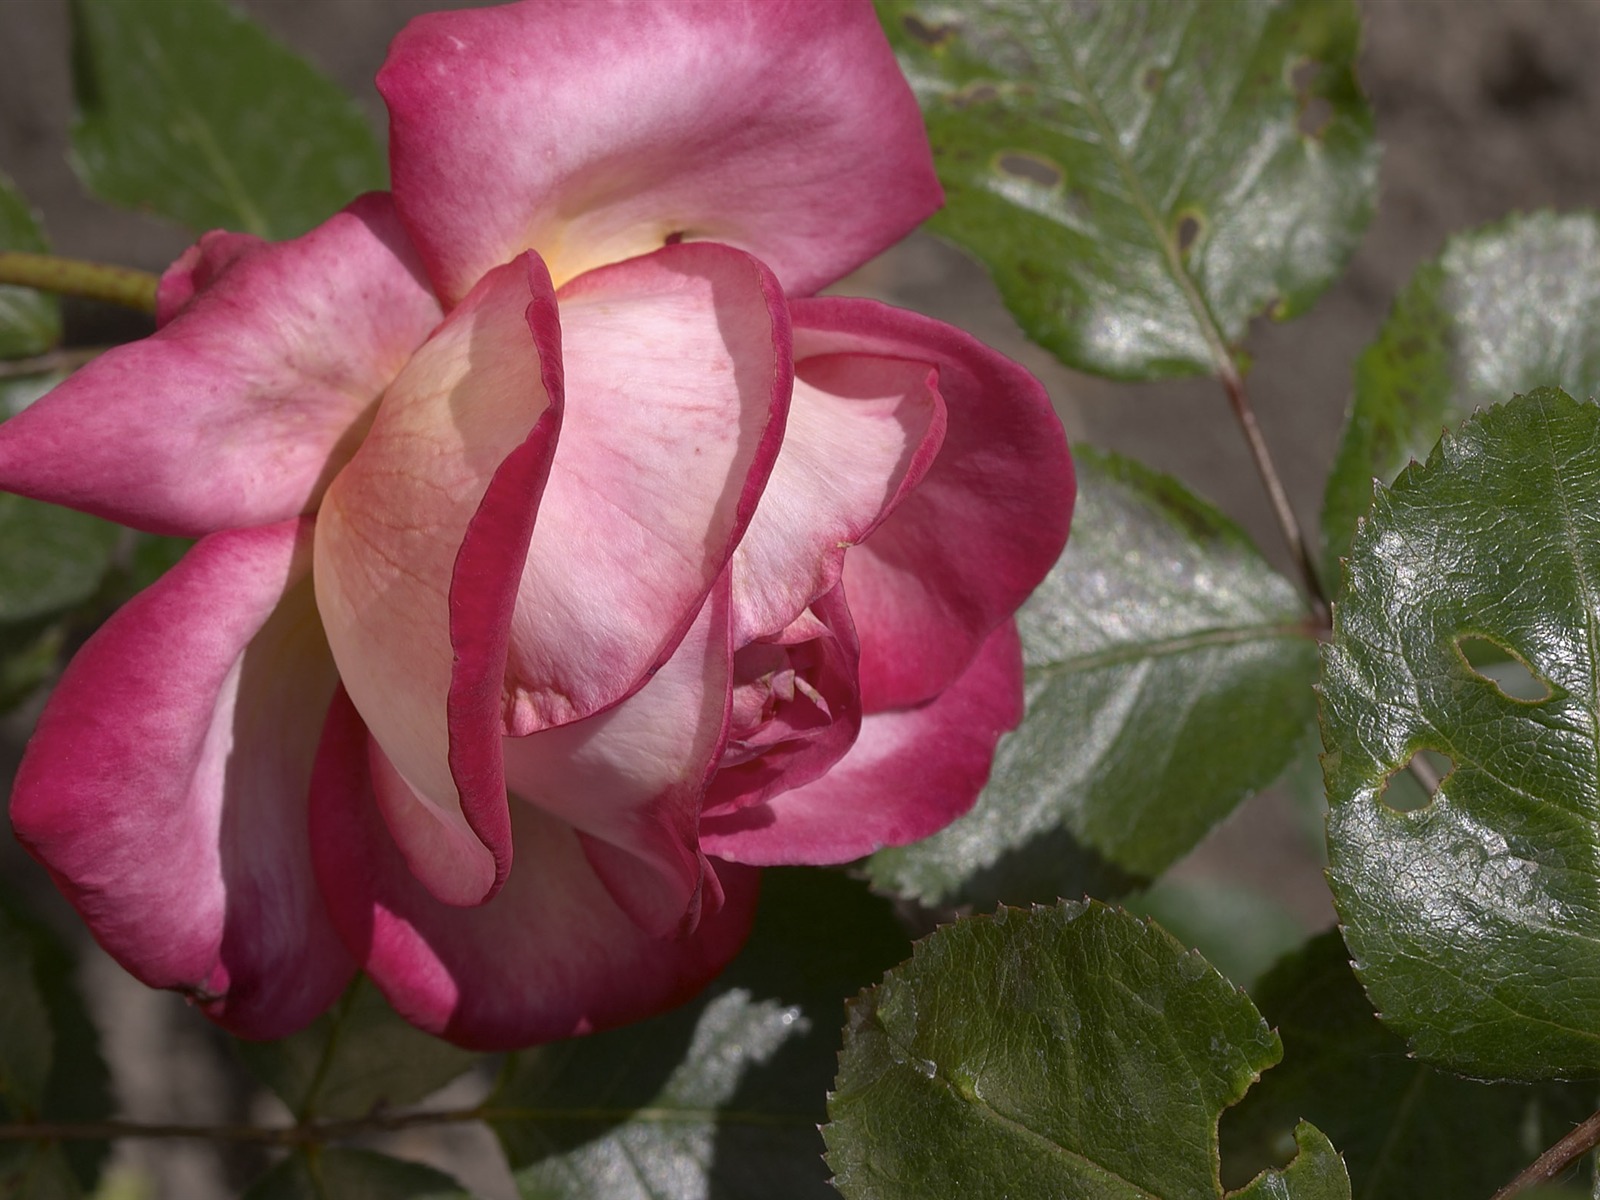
[73,277]
[1239,400]
[1556,1159]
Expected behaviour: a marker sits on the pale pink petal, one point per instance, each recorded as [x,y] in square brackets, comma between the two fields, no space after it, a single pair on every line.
[166,785]
[678,375]
[483,390]
[596,130]
[797,708]
[630,779]
[909,774]
[966,547]
[549,956]
[861,434]
[251,396]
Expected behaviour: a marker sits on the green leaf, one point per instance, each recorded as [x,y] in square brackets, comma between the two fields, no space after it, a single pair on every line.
[1504,309]
[1169,674]
[188,110]
[36,1171]
[337,1174]
[76,1082]
[1066,1051]
[30,321]
[26,1036]
[721,1097]
[355,1058]
[1472,919]
[1405,1129]
[1144,177]
[50,558]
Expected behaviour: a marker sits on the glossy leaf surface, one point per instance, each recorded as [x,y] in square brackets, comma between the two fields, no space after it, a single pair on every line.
[1144,177]
[722,1097]
[188,110]
[1405,1129]
[356,1057]
[1068,1051]
[1474,920]
[1505,309]
[1169,673]
[30,321]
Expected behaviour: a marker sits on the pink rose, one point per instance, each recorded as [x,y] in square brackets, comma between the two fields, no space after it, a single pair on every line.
[562,558]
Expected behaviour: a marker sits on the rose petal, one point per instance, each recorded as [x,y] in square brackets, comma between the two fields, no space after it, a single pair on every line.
[909,774]
[678,379]
[861,434]
[165,787]
[821,648]
[550,956]
[966,547]
[594,132]
[249,399]
[484,391]
[630,779]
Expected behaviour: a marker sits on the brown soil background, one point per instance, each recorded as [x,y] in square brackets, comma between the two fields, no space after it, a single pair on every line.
[1485,107]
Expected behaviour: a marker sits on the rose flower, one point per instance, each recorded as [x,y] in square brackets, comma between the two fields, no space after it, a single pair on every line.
[563,559]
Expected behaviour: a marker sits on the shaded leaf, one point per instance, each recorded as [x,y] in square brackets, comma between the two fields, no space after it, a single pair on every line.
[1066,1051]
[1169,673]
[722,1097]
[50,558]
[77,1084]
[30,321]
[189,110]
[356,1057]
[36,1171]
[1472,919]
[1504,309]
[338,1174]
[26,1036]
[1144,177]
[1405,1129]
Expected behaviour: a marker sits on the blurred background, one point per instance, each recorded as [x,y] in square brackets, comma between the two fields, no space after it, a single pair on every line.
[1484,107]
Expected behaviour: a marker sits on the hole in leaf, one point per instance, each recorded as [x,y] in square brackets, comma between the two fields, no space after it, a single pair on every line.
[1413,787]
[1030,167]
[1188,231]
[1150,81]
[1303,76]
[1510,673]
[928,35]
[1315,114]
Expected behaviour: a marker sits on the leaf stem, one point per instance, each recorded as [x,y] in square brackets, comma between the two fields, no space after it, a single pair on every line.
[301,1134]
[1556,1159]
[74,277]
[1239,400]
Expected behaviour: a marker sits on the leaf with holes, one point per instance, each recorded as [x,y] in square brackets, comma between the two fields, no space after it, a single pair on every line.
[1475,918]
[1144,177]
[1405,1129]
[30,321]
[721,1097]
[1169,674]
[1067,1051]
[357,1057]
[1505,309]
[189,110]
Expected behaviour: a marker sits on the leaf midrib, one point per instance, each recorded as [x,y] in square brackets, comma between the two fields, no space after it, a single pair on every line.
[1133,652]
